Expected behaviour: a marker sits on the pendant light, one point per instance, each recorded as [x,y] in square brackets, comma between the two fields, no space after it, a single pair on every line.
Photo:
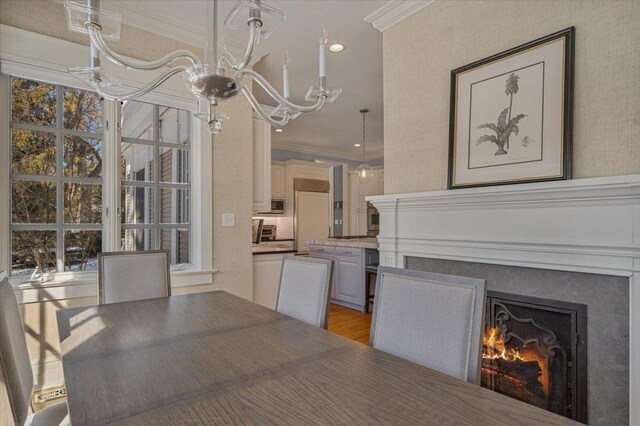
[364,172]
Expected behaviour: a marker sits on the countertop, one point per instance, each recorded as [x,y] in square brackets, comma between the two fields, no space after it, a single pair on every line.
[369,243]
[270,250]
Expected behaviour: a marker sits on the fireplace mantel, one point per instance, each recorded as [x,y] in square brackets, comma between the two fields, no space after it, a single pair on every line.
[584,225]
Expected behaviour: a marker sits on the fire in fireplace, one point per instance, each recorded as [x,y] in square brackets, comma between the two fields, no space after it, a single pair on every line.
[534,350]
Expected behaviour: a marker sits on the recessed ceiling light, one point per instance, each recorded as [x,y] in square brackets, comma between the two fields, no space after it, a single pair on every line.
[356,144]
[279,130]
[336,47]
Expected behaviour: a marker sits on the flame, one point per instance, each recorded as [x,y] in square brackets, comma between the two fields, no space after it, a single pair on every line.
[494,347]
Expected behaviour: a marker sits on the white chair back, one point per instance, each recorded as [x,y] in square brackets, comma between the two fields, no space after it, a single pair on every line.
[133,275]
[15,363]
[431,319]
[305,284]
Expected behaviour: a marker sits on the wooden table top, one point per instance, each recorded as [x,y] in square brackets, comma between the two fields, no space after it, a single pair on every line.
[214,358]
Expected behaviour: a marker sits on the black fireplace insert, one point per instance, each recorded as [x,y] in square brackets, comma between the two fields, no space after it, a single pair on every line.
[535,350]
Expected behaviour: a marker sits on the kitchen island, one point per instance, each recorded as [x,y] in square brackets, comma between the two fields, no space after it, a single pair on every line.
[351,257]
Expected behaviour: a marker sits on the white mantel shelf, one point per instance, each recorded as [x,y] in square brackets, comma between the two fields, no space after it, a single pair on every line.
[583,225]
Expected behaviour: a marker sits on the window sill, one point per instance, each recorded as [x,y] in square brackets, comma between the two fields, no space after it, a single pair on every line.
[72,286]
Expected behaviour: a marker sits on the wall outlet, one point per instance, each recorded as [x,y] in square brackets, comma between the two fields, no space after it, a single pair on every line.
[228,219]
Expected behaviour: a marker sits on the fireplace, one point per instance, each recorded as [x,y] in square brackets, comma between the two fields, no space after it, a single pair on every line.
[534,350]
[576,241]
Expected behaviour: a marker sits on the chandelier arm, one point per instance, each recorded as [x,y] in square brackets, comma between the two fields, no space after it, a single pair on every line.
[143,90]
[271,91]
[256,106]
[132,64]
[254,37]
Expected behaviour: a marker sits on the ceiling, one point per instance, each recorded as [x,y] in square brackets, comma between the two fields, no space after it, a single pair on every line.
[357,69]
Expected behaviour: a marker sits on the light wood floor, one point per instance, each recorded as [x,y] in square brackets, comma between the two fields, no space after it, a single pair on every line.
[349,323]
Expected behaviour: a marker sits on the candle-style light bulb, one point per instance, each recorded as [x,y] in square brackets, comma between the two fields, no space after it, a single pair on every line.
[323,52]
[323,35]
[285,74]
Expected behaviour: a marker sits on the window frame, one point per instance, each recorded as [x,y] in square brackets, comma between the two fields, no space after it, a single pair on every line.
[200,268]
[156,185]
[60,179]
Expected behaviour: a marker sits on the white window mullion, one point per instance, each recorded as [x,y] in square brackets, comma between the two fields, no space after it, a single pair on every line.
[60,259]
[5,168]
[111,176]
[156,178]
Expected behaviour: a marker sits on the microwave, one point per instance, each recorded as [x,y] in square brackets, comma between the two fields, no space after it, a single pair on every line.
[277,208]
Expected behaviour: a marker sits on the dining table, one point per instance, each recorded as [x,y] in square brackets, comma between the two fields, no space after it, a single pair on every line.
[215,358]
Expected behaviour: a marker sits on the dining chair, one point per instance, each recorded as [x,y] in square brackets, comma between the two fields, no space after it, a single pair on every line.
[435,320]
[133,275]
[305,284]
[15,366]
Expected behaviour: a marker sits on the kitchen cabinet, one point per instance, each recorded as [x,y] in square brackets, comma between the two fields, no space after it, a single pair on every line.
[261,165]
[266,279]
[277,181]
[348,280]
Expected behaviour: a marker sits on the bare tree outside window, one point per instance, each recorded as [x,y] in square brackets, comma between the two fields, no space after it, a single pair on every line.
[56,178]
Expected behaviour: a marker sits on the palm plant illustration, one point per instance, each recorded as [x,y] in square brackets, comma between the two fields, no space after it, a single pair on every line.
[505,125]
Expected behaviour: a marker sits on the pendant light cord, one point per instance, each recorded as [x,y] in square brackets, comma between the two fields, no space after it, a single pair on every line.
[364,111]
[363,134]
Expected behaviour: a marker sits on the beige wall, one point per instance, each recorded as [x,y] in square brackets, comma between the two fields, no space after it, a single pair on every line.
[420,52]
[231,185]
[233,193]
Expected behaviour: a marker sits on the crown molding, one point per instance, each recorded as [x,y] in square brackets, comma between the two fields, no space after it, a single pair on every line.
[338,155]
[395,11]
[176,29]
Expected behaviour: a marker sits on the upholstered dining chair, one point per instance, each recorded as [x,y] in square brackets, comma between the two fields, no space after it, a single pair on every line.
[15,366]
[431,319]
[305,284]
[133,275]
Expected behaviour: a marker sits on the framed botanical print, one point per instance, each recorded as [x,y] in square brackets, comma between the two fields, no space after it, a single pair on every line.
[511,115]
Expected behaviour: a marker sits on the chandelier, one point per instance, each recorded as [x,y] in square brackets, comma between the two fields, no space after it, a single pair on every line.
[219,77]
[364,172]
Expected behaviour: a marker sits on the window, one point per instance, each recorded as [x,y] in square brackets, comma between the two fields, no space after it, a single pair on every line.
[56,178]
[155,179]
[57,171]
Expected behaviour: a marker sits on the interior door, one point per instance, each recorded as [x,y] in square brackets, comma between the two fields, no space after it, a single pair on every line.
[312,218]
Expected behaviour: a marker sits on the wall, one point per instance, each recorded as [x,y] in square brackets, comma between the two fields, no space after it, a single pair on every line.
[421,51]
[233,193]
[231,187]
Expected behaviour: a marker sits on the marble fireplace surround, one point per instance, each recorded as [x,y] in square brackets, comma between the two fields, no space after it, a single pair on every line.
[587,226]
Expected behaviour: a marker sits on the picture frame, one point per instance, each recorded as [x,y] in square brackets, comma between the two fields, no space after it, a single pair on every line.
[511,115]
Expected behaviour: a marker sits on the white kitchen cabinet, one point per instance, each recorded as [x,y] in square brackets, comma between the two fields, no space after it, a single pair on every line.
[261,165]
[349,279]
[266,279]
[277,181]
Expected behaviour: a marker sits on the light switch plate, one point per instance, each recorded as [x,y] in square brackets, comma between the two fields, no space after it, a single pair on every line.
[228,219]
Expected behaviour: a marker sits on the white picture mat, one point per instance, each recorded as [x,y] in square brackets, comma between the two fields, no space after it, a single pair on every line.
[551,165]
[488,101]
